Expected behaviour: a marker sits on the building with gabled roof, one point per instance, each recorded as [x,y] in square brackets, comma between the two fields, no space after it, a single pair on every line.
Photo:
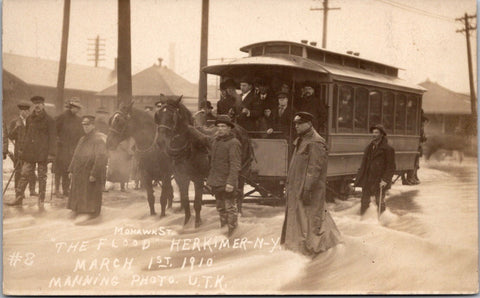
[24,77]
[148,84]
[448,112]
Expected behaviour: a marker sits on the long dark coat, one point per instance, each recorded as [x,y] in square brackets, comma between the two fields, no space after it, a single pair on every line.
[40,138]
[377,164]
[89,159]
[16,133]
[69,131]
[308,229]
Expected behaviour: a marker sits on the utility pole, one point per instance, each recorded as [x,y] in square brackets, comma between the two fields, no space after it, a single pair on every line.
[98,49]
[202,81]
[62,68]
[325,20]
[124,69]
[473,99]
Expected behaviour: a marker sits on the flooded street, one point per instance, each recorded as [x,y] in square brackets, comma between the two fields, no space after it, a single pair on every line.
[426,242]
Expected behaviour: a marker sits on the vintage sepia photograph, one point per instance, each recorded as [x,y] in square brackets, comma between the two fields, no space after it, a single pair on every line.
[239,147]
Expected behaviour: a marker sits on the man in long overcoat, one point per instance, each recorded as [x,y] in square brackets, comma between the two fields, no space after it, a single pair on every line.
[69,131]
[38,149]
[377,168]
[16,133]
[87,171]
[308,227]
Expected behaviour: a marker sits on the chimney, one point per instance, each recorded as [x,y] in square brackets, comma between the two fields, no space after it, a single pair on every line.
[304,41]
[160,62]
[313,43]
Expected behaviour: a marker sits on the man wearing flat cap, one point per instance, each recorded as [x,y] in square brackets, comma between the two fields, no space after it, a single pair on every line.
[308,227]
[229,103]
[16,133]
[38,149]
[377,168]
[87,171]
[69,131]
[251,108]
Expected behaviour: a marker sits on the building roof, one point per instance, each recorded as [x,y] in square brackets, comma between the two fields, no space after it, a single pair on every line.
[43,72]
[156,80]
[440,100]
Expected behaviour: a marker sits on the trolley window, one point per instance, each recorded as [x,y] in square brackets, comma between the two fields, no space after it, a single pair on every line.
[374,116]
[334,108]
[315,55]
[333,58]
[276,49]
[388,107]
[411,115]
[400,110]
[361,110]
[345,109]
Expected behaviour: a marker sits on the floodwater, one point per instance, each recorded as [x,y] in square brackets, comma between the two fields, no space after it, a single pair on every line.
[426,242]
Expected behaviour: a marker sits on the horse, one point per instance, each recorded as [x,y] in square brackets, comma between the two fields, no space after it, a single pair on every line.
[154,164]
[189,156]
[187,146]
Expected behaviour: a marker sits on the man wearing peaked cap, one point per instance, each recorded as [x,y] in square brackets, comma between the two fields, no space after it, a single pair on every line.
[377,169]
[87,171]
[308,227]
[38,150]
[69,131]
[16,133]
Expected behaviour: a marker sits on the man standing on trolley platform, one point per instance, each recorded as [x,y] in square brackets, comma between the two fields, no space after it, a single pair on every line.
[376,170]
[251,107]
[38,148]
[308,227]
[312,104]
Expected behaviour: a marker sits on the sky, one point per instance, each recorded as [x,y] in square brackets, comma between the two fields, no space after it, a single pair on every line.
[416,35]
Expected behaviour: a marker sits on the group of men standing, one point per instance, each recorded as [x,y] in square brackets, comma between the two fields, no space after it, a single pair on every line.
[264,109]
[70,142]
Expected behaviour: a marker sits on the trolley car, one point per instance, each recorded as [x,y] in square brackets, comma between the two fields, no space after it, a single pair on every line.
[358,93]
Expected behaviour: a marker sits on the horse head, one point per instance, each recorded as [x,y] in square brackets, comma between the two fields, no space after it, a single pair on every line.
[172,118]
[119,126]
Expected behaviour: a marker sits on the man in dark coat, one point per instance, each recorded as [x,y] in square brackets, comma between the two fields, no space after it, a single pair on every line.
[69,131]
[229,102]
[224,170]
[251,107]
[312,104]
[377,168]
[16,133]
[87,171]
[308,227]
[38,148]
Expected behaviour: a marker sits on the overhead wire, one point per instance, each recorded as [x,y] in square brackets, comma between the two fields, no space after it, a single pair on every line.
[417,10]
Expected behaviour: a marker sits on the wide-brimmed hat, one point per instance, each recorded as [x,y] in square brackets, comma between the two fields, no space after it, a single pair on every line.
[303,117]
[224,119]
[380,128]
[23,105]
[247,79]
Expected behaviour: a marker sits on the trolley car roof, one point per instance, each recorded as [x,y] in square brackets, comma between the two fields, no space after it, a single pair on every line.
[296,62]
